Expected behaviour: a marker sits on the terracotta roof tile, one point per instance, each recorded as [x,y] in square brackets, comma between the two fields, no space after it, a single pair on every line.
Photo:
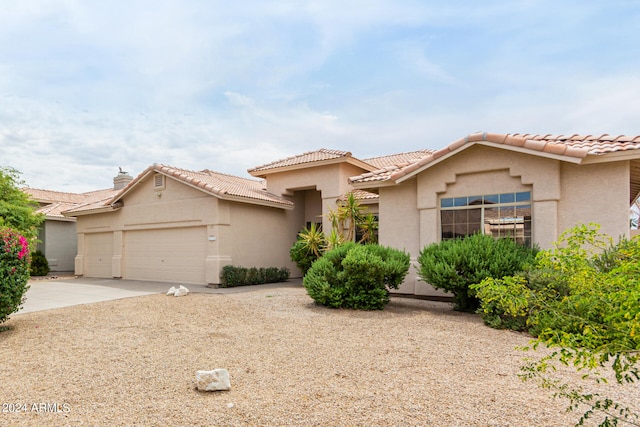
[54,210]
[221,184]
[388,164]
[398,159]
[94,200]
[48,196]
[215,183]
[362,195]
[575,145]
[308,157]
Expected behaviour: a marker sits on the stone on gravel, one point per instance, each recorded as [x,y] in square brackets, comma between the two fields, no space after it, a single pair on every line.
[172,291]
[217,379]
[181,291]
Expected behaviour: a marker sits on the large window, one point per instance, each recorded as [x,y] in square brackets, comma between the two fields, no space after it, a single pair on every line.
[498,215]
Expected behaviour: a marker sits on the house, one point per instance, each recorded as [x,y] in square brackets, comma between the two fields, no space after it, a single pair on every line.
[57,236]
[175,225]
[527,187]
[171,224]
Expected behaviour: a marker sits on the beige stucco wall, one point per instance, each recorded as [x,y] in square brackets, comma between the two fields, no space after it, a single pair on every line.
[563,195]
[330,180]
[259,237]
[596,193]
[236,233]
[399,220]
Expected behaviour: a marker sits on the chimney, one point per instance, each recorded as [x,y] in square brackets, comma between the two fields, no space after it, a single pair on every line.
[121,180]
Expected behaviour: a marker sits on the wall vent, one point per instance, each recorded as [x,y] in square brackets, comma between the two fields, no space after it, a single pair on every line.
[158,181]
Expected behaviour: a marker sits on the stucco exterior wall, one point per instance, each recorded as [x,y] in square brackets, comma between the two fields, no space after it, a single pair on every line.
[563,194]
[232,232]
[330,180]
[399,219]
[596,193]
[260,237]
[59,244]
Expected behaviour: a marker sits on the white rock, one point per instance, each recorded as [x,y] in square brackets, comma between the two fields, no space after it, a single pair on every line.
[215,380]
[181,291]
[172,290]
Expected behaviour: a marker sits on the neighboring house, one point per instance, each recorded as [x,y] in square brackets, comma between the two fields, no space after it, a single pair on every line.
[57,235]
[175,225]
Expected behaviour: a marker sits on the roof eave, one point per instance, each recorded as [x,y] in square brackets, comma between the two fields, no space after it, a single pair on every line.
[538,153]
[104,209]
[135,181]
[614,156]
[229,197]
[60,218]
[372,184]
[318,163]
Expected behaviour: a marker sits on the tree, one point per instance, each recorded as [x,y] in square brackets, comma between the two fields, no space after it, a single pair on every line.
[17,209]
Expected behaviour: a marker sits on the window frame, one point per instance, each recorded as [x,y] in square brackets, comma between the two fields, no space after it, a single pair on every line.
[461,207]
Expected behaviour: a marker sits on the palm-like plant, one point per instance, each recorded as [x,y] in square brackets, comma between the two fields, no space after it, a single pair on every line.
[308,248]
[313,239]
[333,240]
[368,226]
[346,216]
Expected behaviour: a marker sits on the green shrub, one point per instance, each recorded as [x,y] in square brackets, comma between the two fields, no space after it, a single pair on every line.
[14,271]
[39,264]
[240,276]
[356,276]
[309,247]
[454,265]
[582,300]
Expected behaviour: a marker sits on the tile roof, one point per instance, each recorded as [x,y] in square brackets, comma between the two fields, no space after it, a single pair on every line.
[397,159]
[363,195]
[95,200]
[54,210]
[387,165]
[222,185]
[54,203]
[48,196]
[575,146]
[320,155]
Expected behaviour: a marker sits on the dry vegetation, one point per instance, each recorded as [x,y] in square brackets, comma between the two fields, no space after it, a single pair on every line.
[133,362]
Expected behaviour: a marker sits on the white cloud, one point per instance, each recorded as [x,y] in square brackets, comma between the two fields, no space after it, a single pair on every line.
[86,87]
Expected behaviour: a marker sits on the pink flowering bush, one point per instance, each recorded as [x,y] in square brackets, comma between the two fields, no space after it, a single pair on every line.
[14,271]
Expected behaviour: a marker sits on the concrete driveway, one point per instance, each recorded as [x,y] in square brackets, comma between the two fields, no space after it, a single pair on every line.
[48,294]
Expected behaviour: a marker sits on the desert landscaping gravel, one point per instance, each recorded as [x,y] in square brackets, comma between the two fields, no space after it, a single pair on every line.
[291,363]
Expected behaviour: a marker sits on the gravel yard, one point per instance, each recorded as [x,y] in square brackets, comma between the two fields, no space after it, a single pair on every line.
[133,362]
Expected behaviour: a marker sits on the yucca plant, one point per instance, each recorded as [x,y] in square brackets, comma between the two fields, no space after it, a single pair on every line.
[308,248]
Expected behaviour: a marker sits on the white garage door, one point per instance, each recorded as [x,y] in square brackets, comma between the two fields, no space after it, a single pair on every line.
[167,255]
[98,254]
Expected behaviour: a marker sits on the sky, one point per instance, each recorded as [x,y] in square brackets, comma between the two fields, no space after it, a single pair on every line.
[90,86]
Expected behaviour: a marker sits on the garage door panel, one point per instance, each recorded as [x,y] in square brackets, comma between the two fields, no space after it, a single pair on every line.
[171,255]
[98,255]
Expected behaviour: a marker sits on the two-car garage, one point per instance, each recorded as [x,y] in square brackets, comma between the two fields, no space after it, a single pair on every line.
[168,255]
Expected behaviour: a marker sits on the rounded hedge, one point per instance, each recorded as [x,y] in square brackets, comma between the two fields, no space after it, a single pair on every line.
[454,265]
[356,276]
